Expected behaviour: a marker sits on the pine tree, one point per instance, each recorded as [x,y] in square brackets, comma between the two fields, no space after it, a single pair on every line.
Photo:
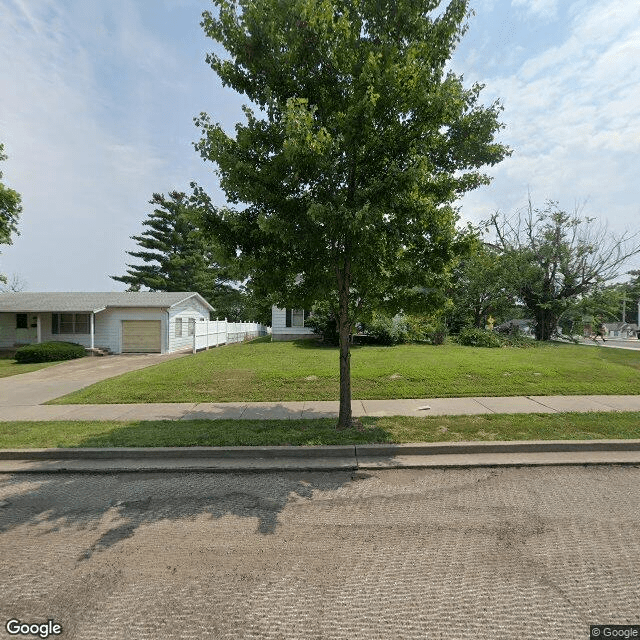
[175,255]
[10,209]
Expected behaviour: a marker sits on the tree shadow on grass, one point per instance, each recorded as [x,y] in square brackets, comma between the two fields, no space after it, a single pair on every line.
[266,430]
[317,344]
[127,501]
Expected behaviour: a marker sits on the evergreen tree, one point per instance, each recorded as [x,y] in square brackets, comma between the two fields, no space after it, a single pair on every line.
[176,257]
[10,209]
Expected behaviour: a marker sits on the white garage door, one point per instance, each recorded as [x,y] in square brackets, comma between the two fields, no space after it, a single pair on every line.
[141,336]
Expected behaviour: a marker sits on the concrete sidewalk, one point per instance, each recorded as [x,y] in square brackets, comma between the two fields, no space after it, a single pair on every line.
[318,409]
[322,458]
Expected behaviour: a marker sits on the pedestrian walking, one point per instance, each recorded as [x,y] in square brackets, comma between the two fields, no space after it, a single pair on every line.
[599,333]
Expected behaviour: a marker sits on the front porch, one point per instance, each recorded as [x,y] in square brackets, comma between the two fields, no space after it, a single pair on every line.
[22,328]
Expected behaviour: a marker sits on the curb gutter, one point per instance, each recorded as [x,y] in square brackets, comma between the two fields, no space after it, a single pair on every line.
[321,458]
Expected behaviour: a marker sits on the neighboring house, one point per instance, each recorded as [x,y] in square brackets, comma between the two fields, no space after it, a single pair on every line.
[127,322]
[621,329]
[523,325]
[288,324]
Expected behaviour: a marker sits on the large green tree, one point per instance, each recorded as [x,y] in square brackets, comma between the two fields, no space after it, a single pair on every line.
[481,289]
[555,259]
[175,256]
[348,176]
[10,210]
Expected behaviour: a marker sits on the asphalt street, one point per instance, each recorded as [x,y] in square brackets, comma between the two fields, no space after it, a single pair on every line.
[527,553]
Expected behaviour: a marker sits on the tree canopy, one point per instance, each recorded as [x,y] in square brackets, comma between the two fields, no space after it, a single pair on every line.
[176,257]
[348,177]
[556,258]
[10,210]
[481,289]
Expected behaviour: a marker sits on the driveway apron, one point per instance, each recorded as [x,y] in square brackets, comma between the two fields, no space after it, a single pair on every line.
[46,384]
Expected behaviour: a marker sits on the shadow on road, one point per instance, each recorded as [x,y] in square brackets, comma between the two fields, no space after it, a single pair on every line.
[117,504]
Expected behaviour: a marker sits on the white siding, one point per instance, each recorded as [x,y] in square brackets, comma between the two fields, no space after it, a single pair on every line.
[191,308]
[7,330]
[279,329]
[108,326]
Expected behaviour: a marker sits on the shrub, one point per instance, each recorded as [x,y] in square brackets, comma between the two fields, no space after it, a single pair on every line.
[386,330]
[323,323]
[474,337]
[49,352]
[519,340]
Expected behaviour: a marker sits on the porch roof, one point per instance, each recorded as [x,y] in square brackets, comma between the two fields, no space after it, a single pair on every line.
[22,302]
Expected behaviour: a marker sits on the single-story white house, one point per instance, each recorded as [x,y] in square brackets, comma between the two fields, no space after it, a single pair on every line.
[288,324]
[126,322]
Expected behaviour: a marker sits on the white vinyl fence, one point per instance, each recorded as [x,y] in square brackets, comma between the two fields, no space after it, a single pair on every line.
[213,333]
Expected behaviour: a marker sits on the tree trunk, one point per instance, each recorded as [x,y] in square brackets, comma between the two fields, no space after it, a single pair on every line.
[344,333]
[545,324]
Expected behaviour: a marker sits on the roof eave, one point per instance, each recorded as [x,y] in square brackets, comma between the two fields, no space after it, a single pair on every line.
[193,295]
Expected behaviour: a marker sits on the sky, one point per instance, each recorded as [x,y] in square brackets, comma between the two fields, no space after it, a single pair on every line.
[97,100]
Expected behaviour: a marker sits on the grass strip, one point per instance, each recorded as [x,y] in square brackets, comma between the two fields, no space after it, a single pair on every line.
[262,371]
[218,433]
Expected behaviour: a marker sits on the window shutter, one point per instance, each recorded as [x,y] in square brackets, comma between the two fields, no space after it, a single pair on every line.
[54,323]
[306,314]
[288,322]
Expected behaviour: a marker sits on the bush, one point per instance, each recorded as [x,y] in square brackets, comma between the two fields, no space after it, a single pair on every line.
[49,352]
[474,337]
[519,340]
[386,330]
[323,323]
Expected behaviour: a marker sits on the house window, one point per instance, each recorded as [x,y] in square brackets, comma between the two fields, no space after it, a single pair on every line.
[70,323]
[297,318]
[21,321]
[178,327]
[81,322]
[192,326]
[66,323]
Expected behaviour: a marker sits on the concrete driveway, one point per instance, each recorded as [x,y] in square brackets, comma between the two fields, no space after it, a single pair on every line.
[52,382]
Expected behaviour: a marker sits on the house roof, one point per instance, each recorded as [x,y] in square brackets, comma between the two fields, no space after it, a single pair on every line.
[93,301]
[620,326]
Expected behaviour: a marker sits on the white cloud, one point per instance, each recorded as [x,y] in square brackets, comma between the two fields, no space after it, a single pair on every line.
[544,8]
[572,117]
[84,184]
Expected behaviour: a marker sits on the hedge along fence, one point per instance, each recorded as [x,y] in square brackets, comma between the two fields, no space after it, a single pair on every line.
[213,333]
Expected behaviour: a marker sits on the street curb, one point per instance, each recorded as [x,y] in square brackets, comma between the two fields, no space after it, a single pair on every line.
[322,451]
[163,453]
[513,446]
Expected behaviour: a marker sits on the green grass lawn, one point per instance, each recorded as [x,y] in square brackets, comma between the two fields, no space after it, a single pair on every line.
[9,367]
[281,371]
[189,433]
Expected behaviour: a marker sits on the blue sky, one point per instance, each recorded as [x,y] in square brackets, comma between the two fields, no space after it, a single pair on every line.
[97,100]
